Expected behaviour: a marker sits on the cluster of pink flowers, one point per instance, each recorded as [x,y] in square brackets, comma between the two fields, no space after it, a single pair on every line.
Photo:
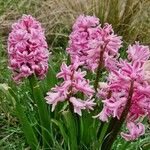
[27,49]
[135,130]
[88,43]
[74,82]
[88,39]
[118,85]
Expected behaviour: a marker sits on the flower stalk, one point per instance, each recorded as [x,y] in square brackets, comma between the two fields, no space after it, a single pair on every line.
[108,142]
[99,69]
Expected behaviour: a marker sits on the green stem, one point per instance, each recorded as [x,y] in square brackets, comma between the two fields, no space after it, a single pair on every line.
[72,132]
[100,67]
[100,129]
[111,125]
[102,133]
[107,144]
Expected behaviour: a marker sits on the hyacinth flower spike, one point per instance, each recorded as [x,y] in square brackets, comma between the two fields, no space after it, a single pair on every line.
[129,92]
[74,82]
[95,46]
[28,57]
[27,49]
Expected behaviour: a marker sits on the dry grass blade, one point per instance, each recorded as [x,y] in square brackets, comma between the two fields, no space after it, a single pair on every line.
[130,18]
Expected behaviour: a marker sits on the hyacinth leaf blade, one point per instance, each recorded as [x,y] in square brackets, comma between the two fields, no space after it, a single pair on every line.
[102,134]
[146,146]
[72,131]
[62,129]
[142,143]
[43,112]
[26,125]
[51,79]
[88,128]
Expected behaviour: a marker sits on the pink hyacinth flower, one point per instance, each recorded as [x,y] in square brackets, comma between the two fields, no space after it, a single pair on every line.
[146,68]
[115,94]
[103,115]
[89,104]
[88,39]
[135,130]
[73,83]
[77,104]
[138,52]
[83,22]
[27,49]
[54,98]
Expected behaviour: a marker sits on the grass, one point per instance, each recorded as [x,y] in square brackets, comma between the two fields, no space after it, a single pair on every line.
[11,137]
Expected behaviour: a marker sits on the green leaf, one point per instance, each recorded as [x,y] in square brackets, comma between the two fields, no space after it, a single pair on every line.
[87,128]
[143,144]
[50,79]
[26,126]
[62,130]
[71,127]
[103,132]
[43,112]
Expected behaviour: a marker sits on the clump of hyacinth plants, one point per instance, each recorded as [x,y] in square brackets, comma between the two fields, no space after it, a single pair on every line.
[85,109]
